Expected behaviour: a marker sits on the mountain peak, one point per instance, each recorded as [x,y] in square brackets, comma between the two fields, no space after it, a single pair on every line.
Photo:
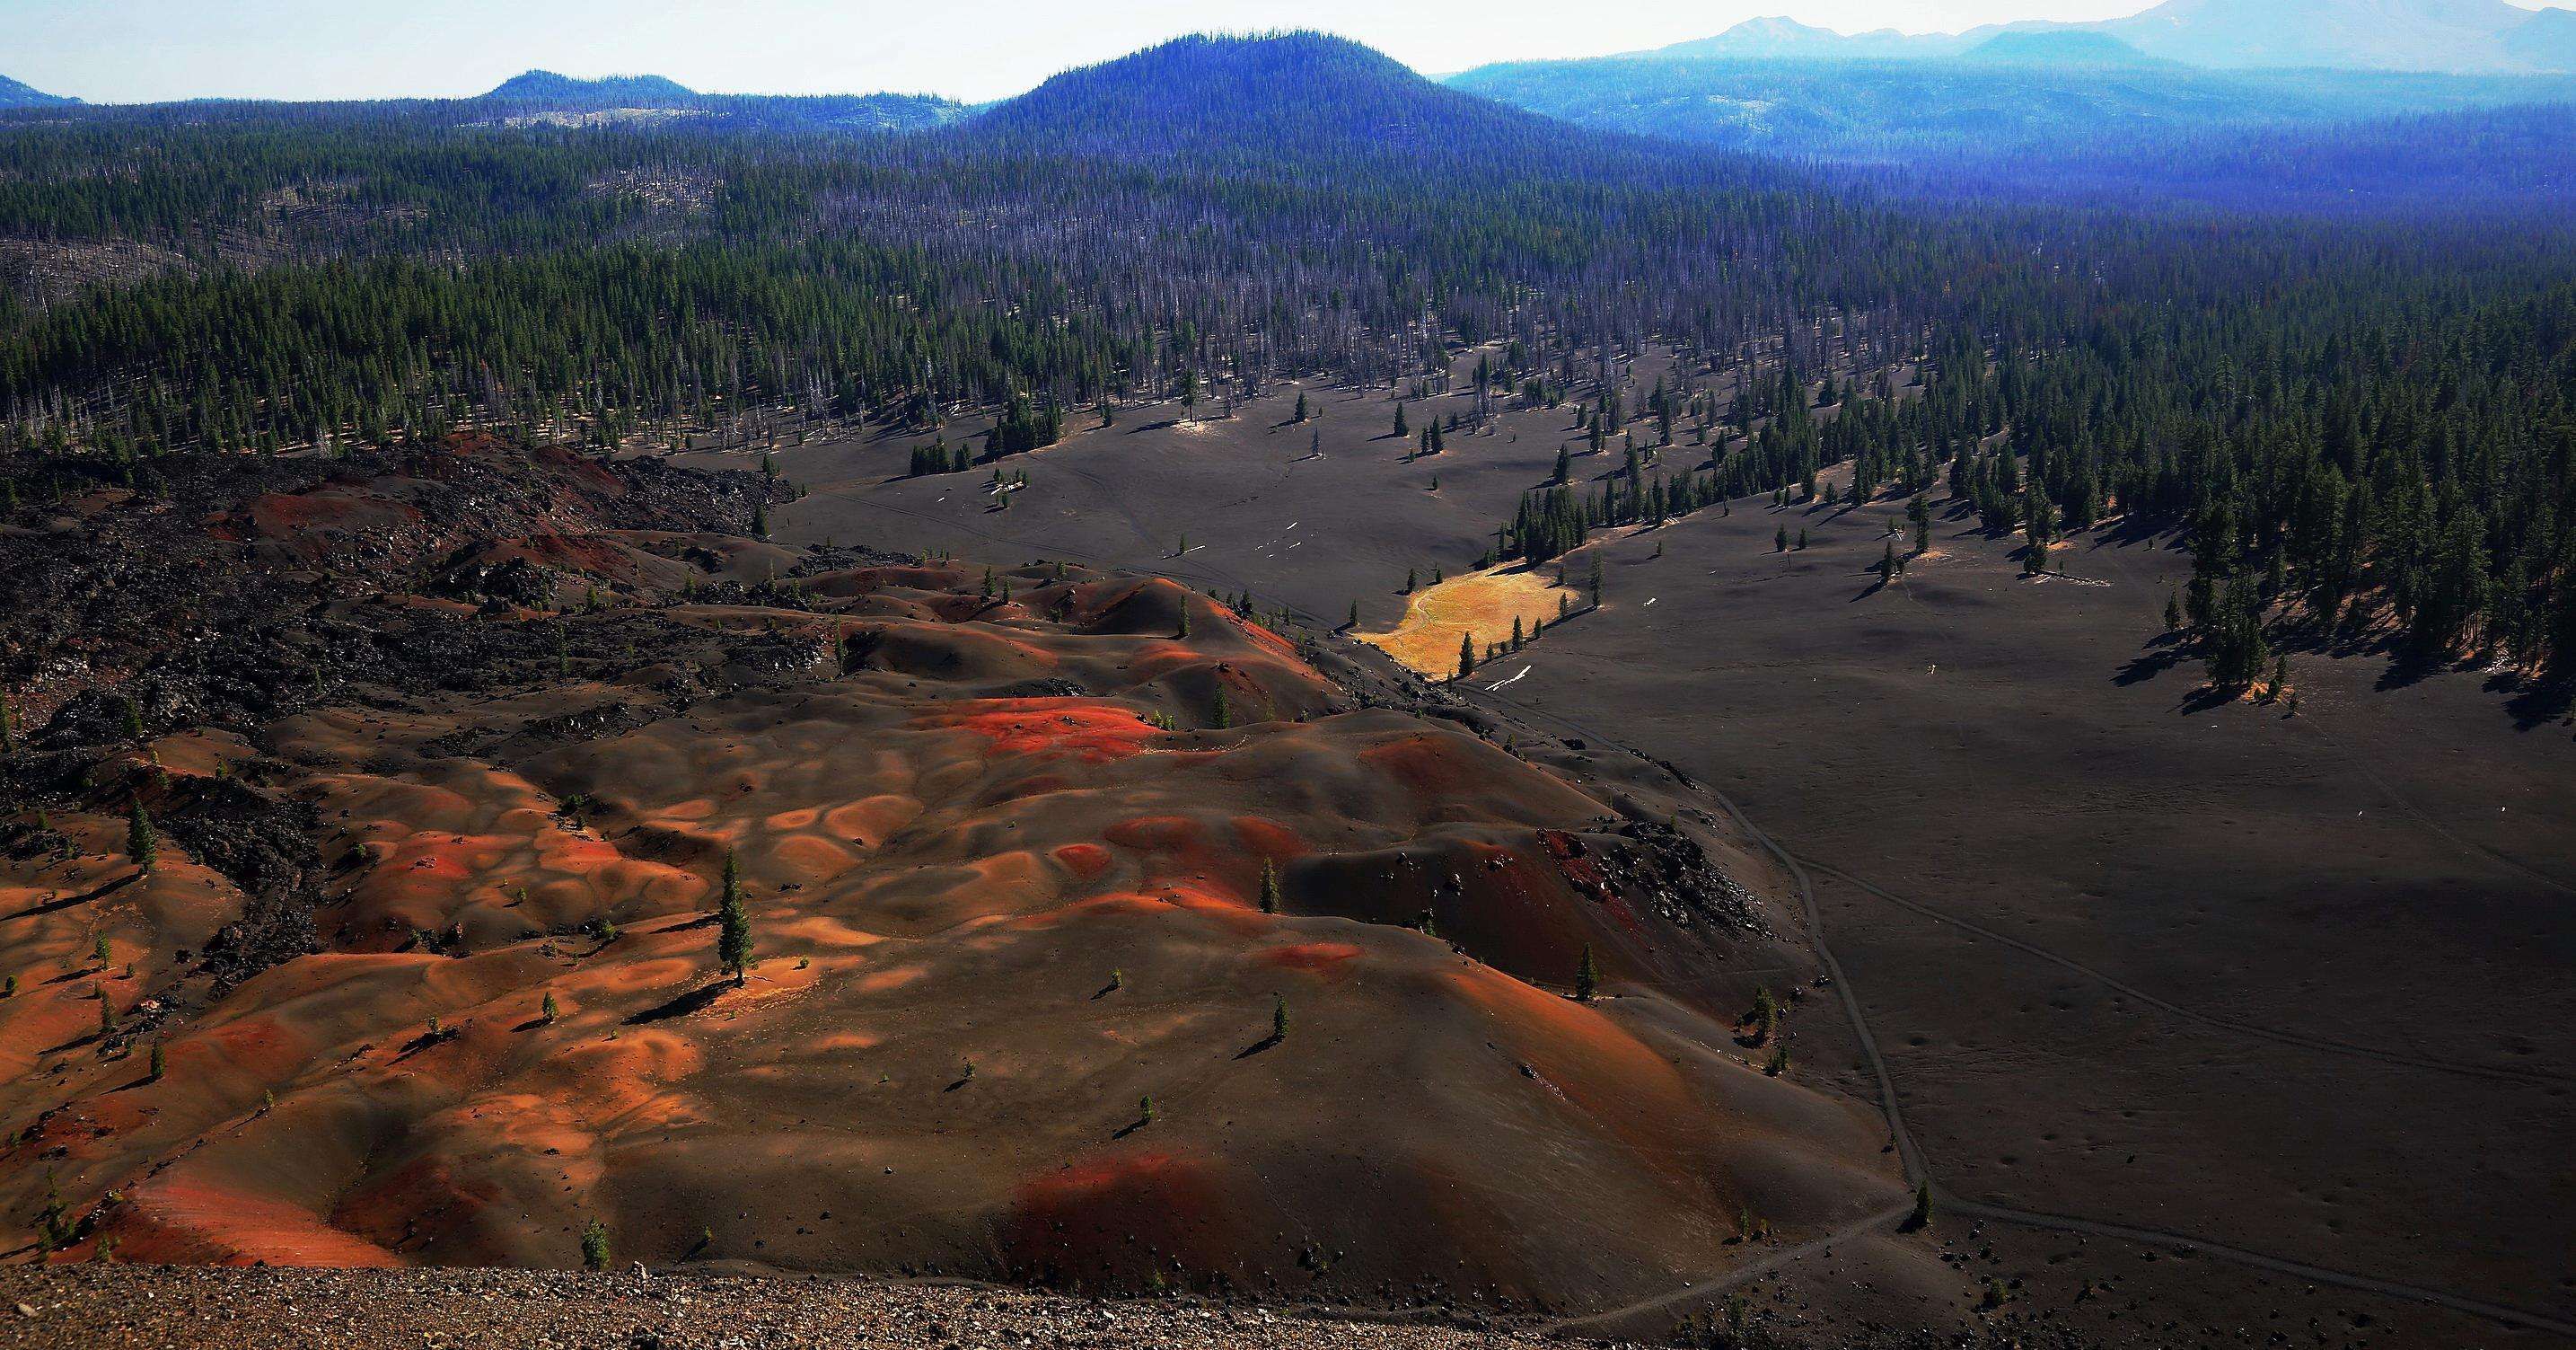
[1301,92]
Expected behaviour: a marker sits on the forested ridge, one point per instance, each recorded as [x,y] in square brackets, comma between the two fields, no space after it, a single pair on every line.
[2338,413]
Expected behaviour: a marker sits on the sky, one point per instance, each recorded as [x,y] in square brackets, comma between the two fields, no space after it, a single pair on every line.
[150,50]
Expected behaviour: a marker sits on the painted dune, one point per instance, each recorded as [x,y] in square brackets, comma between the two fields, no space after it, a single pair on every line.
[1011,1012]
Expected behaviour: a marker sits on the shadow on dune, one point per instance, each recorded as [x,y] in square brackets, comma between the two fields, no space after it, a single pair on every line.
[685,1004]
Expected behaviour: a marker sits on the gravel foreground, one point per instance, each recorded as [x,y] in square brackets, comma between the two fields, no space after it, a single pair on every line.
[112,1307]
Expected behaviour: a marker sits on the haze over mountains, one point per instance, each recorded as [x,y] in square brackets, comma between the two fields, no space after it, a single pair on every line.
[2251,102]
[2482,36]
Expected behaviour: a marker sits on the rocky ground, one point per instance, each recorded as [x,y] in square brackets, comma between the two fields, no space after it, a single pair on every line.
[113,1307]
[120,1306]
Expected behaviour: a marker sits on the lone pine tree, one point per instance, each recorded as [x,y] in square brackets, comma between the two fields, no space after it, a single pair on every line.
[733,926]
[142,844]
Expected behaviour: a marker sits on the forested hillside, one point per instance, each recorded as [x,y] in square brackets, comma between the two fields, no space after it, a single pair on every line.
[2336,412]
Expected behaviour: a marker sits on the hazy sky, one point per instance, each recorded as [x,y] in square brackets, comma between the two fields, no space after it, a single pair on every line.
[140,50]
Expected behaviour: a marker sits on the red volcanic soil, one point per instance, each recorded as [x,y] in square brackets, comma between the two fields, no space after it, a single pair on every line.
[1010,1007]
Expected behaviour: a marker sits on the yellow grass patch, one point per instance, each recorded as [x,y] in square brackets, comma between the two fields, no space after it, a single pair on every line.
[1481,604]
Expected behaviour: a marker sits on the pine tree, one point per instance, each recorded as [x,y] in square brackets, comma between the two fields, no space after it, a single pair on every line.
[1278,1019]
[1352,624]
[733,926]
[2173,612]
[1401,429]
[1587,976]
[1466,655]
[594,1246]
[142,844]
[1269,887]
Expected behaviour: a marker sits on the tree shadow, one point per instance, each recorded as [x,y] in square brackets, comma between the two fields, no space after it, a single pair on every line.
[2207,697]
[682,1006]
[427,1040]
[1257,1047]
[2147,665]
[2535,702]
[66,902]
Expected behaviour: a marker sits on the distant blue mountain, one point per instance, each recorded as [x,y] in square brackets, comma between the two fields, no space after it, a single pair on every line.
[2455,36]
[1900,112]
[1785,39]
[2546,40]
[16,95]
[2058,47]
